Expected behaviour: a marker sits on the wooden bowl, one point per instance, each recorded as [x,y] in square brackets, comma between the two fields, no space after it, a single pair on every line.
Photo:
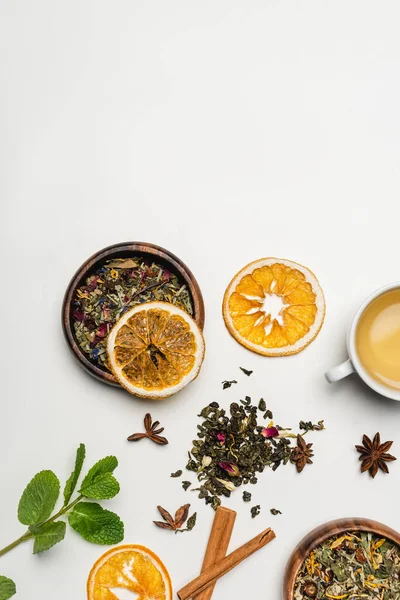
[323,532]
[123,250]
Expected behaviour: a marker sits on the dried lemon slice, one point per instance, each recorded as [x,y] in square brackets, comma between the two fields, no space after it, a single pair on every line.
[274,307]
[131,567]
[155,349]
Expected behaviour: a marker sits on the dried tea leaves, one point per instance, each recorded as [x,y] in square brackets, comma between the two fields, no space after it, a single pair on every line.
[113,289]
[152,433]
[246,371]
[255,511]
[177,473]
[351,565]
[374,455]
[176,523]
[275,511]
[228,384]
[231,449]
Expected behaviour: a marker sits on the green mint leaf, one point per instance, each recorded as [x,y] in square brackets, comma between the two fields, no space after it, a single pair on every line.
[48,536]
[95,524]
[39,498]
[99,483]
[73,479]
[102,488]
[7,588]
[105,465]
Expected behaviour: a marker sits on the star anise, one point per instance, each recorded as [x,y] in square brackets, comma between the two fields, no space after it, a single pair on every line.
[175,524]
[151,432]
[301,454]
[374,455]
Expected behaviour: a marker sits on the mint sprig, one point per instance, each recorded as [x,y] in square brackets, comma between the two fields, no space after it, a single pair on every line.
[89,519]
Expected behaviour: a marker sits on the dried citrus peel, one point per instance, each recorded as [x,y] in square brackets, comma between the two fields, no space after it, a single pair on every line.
[155,349]
[274,307]
[131,567]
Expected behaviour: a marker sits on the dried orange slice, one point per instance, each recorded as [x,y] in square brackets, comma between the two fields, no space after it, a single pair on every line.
[130,567]
[274,307]
[155,349]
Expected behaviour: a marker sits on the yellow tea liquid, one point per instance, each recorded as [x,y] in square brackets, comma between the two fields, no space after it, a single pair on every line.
[378,339]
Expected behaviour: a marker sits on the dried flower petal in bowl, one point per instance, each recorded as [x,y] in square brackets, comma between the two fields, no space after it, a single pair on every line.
[345,559]
[112,281]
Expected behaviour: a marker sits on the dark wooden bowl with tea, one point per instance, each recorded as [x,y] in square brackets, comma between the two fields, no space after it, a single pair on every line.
[149,253]
[322,533]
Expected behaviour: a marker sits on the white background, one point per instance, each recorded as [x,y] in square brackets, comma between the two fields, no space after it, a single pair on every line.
[224,131]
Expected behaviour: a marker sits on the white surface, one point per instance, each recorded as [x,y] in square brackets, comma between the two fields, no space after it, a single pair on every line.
[224,131]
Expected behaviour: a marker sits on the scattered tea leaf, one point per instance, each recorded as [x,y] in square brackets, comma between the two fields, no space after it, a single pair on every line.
[186,485]
[275,511]
[262,405]
[227,384]
[176,474]
[246,401]
[255,511]
[245,371]
[309,426]
[191,522]
[246,496]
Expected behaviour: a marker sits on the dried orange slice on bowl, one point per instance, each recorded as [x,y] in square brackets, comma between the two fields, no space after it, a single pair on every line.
[130,567]
[155,349]
[274,307]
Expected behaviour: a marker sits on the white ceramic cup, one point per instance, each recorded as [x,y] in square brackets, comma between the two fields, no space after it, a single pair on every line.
[353,364]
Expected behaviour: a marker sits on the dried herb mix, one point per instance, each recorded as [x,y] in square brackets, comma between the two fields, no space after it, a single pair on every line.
[117,286]
[231,449]
[349,566]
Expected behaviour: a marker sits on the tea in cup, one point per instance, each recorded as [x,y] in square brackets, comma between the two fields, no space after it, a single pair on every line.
[373,343]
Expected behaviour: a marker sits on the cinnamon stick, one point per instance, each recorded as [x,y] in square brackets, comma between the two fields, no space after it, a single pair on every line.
[218,543]
[219,569]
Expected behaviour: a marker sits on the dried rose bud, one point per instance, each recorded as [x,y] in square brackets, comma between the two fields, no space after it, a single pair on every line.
[221,437]
[270,432]
[230,468]
[310,589]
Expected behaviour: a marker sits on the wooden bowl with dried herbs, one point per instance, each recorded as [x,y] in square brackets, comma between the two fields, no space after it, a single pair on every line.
[113,281]
[345,559]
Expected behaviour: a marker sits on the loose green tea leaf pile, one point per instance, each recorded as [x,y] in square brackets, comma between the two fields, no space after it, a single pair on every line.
[116,287]
[231,449]
[89,519]
[351,566]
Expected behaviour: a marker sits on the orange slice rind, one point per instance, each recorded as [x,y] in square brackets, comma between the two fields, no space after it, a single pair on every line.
[129,567]
[155,349]
[274,307]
